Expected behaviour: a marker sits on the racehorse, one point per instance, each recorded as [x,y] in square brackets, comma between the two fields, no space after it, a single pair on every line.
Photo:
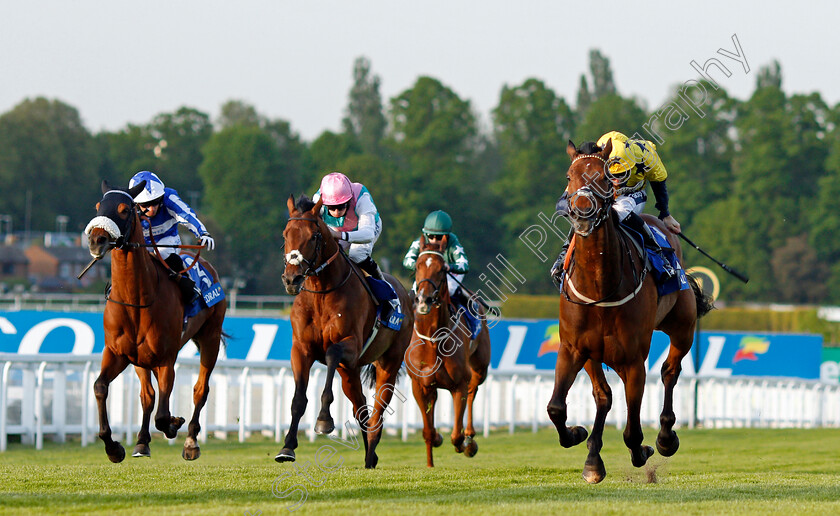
[332,317]
[615,322]
[442,353]
[144,324]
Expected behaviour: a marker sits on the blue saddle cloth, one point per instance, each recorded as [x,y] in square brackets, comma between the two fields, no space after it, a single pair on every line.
[390,315]
[211,292]
[473,322]
[664,284]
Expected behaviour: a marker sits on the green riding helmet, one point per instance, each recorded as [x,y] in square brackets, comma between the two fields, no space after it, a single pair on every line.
[438,223]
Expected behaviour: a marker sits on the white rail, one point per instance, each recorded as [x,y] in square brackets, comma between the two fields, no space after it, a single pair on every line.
[52,395]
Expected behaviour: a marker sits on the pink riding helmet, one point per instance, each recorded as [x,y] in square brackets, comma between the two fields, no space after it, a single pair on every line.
[336,189]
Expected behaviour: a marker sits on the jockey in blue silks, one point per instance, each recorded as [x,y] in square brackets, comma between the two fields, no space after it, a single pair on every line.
[162,211]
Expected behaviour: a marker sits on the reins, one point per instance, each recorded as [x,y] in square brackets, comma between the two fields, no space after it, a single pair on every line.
[309,272]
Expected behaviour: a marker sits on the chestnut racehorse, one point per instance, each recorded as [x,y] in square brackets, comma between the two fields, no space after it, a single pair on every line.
[144,324]
[442,354]
[608,312]
[332,317]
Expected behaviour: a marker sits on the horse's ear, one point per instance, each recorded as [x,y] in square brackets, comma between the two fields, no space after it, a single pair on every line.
[105,187]
[571,150]
[607,150]
[291,203]
[316,210]
[422,241]
[136,189]
[444,242]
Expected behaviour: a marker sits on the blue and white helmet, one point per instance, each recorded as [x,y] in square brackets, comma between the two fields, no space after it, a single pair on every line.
[153,190]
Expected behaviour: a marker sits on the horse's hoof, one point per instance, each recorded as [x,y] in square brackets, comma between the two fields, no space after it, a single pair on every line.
[372,462]
[668,447]
[285,455]
[324,426]
[141,450]
[471,449]
[116,453]
[594,470]
[191,453]
[438,440]
[459,444]
[646,452]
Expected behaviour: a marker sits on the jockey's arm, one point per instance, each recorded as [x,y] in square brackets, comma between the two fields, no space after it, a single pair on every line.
[365,232]
[410,260]
[184,214]
[459,263]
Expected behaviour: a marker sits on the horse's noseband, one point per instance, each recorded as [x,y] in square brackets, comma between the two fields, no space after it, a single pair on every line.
[435,297]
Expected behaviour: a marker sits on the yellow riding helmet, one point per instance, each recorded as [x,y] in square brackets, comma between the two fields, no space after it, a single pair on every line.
[626,153]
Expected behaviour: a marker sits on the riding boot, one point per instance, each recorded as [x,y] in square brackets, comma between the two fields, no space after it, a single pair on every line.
[557,269]
[637,223]
[185,283]
[371,267]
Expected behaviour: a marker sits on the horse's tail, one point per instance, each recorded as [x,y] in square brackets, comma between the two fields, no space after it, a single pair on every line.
[225,337]
[704,302]
[369,375]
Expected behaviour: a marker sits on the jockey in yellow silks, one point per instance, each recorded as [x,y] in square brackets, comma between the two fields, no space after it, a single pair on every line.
[633,163]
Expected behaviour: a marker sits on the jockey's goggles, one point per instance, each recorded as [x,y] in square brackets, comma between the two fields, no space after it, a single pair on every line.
[150,204]
[433,237]
[337,207]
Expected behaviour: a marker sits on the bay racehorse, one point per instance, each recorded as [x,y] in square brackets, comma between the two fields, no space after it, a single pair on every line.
[442,354]
[332,317]
[608,312]
[144,324]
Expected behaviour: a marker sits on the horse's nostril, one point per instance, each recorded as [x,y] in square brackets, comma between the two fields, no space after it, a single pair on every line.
[101,240]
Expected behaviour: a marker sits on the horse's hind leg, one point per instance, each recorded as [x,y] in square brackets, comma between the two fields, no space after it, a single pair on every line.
[593,469]
[112,366]
[351,384]
[634,389]
[479,362]
[565,372]
[386,384]
[209,352]
[667,442]
[301,364]
[147,400]
[164,421]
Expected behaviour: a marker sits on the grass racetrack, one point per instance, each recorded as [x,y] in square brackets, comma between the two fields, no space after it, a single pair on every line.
[731,471]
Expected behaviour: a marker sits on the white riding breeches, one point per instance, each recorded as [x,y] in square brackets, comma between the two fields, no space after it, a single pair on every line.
[633,202]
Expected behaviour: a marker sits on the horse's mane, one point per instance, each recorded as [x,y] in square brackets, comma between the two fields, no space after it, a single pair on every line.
[590,148]
[304,203]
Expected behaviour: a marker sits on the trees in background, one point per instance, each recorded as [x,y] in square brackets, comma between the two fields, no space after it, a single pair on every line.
[754,182]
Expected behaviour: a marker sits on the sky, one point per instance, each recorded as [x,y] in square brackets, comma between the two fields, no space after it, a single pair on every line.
[121,62]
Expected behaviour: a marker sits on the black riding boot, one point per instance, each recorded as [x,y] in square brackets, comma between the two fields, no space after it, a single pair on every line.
[185,283]
[636,222]
[371,267]
[557,268]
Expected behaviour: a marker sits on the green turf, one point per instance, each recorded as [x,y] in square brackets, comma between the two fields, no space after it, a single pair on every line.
[732,471]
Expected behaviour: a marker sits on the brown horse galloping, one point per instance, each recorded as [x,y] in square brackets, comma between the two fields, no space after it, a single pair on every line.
[442,354]
[144,325]
[608,313]
[332,317]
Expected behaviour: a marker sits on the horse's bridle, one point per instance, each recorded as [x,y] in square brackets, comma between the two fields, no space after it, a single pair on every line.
[436,300]
[602,200]
[311,269]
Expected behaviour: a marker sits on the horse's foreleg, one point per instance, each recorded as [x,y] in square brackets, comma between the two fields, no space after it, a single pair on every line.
[667,442]
[301,364]
[385,386]
[565,372]
[426,398]
[147,401]
[593,470]
[459,405]
[479,361]
[164,421]
[634,389]
[112,366]
[325,424]
[209,352]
